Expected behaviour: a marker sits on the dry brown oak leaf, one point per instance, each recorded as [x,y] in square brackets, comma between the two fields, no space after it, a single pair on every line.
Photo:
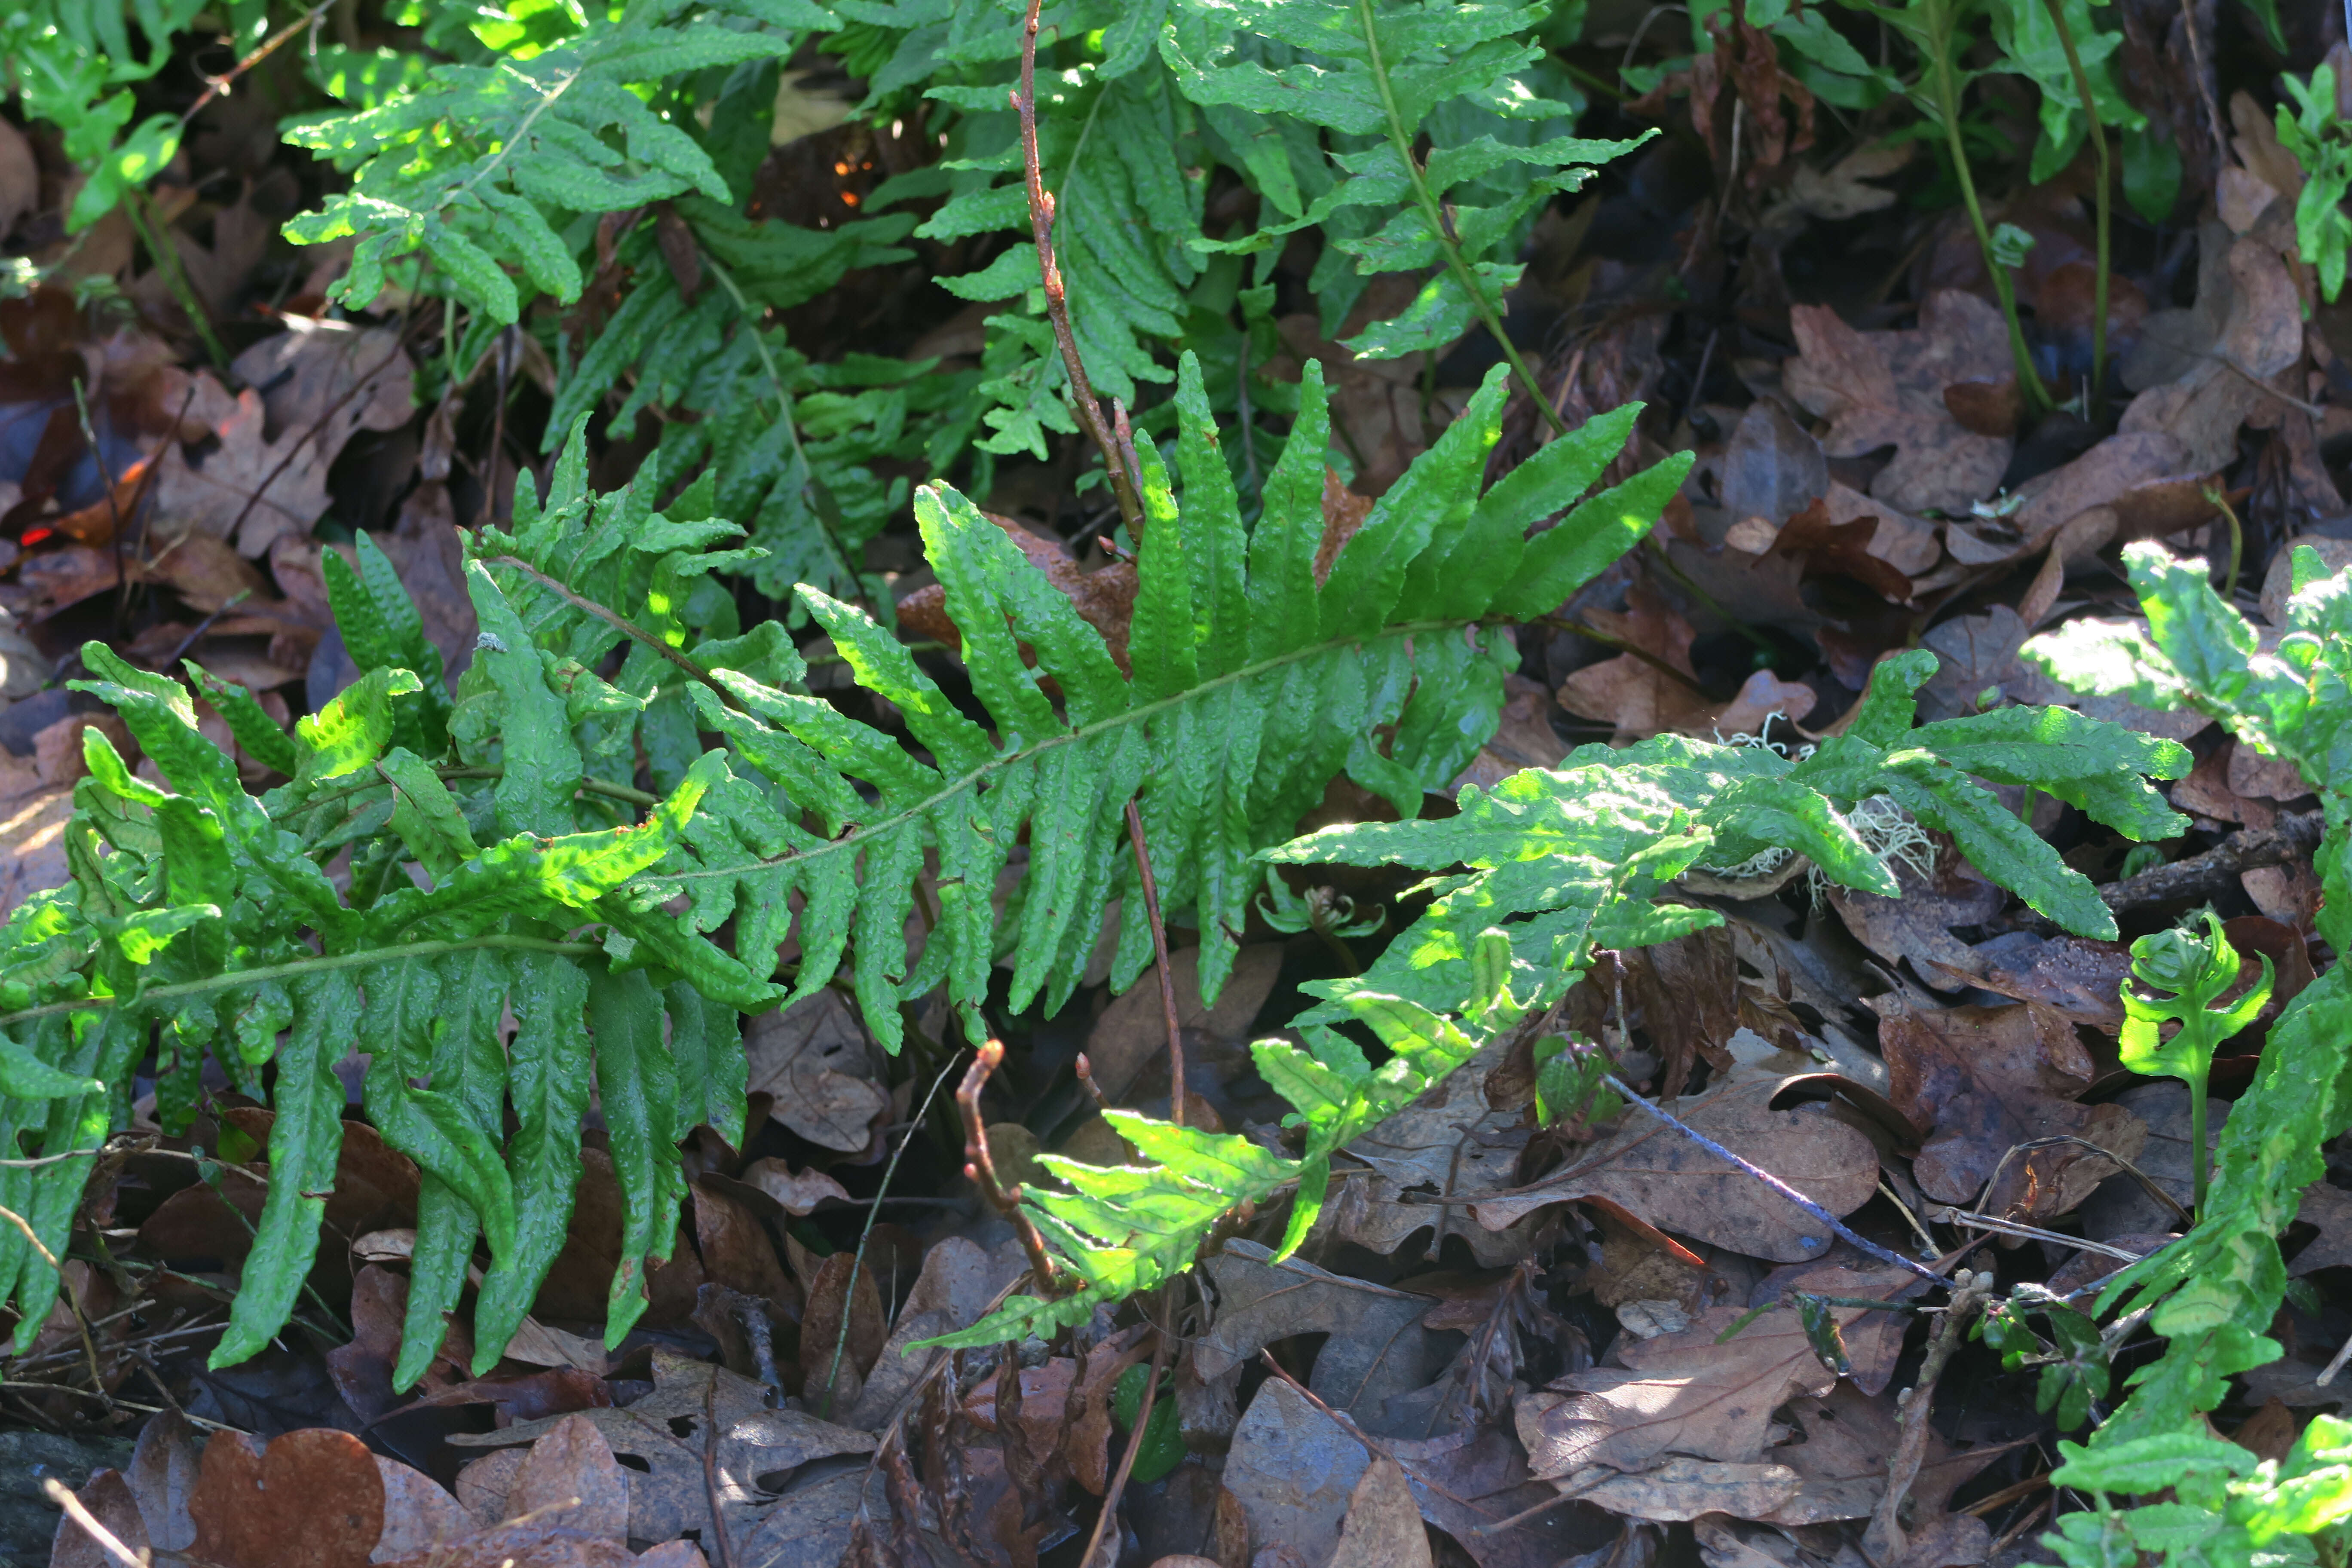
[1665,1180]
[1886,389]
[1679,1394]
[1980,1081]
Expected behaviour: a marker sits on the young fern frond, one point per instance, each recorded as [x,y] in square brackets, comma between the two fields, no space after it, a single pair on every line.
[1560,864]
[1252,688]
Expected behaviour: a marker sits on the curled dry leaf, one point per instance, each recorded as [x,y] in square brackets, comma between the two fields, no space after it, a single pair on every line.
[799,1191]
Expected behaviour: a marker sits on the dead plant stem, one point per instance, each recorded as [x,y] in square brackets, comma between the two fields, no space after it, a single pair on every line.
[981,1166]
[1058,301]
[1884,1540]
[60,1494]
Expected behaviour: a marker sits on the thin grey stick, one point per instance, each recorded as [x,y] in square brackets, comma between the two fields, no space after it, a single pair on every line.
[1884,1255]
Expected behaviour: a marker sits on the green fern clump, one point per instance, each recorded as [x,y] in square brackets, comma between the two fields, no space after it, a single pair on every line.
[1252,688]
[1561,863]
[2214,1292]
[74,64]
[504,857]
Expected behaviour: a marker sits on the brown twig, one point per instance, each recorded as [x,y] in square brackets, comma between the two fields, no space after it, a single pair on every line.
[218,87]
[720,1536]
[980,1166]
[62,1495]
[1057,303]
[1159,952]
[2290,838]
[1884,1540]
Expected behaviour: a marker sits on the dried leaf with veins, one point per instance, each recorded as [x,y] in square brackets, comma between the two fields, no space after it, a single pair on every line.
[1886,389]
[1377,1348]
[1980,1081]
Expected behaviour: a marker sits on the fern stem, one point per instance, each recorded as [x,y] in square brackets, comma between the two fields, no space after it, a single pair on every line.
[1947,112]
[302,966]
[1159,955]
[856,837]
[1433,213]
[792,427]
[1057,300]
[2098,405]
[1884,1255]
[619,623]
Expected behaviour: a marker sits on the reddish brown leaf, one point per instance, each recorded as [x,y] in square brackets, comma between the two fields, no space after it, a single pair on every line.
[311,1498]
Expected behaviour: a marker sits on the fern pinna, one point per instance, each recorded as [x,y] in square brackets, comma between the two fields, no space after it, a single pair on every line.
[502,859]
[1560,864]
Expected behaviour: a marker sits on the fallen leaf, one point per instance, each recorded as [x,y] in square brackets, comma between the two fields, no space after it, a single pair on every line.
[1684,1489]
[311,1498]
[1771,467]
[1382,1527]
[1377,1348]
[1644,696]
[570,1480]
[1683,1393]
[1886,389]
[2117,465]
[250,490]
[809,1526]
[841,1331]
[1840,1454]
[2330,1208]
[2123,1206]
[813,1060]
[522,1546]
[1838,193]
[1449,1141]
[2079,977]
[418,1515]
[1661,1177]
[1131,1035]
[956,1288]
[1295,1471]
[108,1498]
[1980,1081]
[2207,368]
[163,1475]
[751,1445]
[736,1249]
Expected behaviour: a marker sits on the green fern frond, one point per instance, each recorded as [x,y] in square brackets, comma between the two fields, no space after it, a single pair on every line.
[479,164]
[1560,864]
[1251,689]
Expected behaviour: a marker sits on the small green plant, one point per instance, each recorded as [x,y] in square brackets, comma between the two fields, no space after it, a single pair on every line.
[2227,1507]
[2197,968]
[2072,1358]
[2322,143]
